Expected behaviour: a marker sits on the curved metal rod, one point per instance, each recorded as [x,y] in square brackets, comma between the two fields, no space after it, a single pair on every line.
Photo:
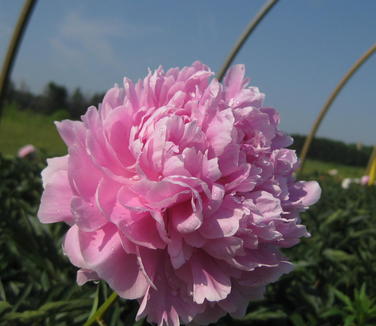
[14,46]
[329,102]
[243,38]
[370,171]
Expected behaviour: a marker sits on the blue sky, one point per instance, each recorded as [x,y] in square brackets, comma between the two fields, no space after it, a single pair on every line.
[296,55]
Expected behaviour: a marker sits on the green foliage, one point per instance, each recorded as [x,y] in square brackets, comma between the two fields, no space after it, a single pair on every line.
[332,283]
[35,277]
[359,310]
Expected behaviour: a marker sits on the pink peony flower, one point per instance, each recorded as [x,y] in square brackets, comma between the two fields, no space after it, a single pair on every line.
[26,151]
[364,180]
[179,192]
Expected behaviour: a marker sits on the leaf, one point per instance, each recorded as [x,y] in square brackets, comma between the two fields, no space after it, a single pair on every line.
[95,302]
[332,218]
[4,307]
[25,293]
[263,314]
[60,306]
[297,320]
[336,255]
[46,310]
[344,298]
[139,322]
[362,233]
[349,321]
[332,312]
[25,317]
[362,292]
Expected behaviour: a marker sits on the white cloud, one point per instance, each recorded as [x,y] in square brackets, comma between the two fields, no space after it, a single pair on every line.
[80,38]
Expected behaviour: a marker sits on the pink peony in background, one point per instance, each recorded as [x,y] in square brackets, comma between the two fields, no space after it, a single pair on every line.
[364,180]
[179,193]
[26,150]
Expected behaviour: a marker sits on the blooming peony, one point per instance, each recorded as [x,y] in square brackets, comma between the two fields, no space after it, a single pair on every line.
[364,180]
[26,151]
[179,192]
[333,172]
[346,182]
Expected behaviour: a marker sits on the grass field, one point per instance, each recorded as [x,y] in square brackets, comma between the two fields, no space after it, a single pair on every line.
[344,171]
[18,128]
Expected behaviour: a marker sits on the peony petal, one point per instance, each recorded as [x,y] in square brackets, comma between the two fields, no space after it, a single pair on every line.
[72,132]
[54,165]
[209,282]
[237,301]
[313,193]
[233,80]
[225,248]
[56,199]
[137,227]
[169,302]
[224,222]
[118,126]
[219,132]
[71,247]
[86,275]
[106,194]
[103,253]
[264,275]
[86,215]
[83,175]
[184,219]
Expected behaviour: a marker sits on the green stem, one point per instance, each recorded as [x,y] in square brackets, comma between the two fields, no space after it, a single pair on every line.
[102,309]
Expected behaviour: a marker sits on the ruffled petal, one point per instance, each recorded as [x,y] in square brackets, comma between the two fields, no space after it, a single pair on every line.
[101,251]
[56,198]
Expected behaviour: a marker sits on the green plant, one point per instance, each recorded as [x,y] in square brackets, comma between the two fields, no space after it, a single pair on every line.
[360,310]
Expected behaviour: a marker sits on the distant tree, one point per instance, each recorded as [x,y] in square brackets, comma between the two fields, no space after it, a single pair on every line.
[55,97]
[329,150]
[10,92]
[21,95]
[96,99]
[77,104]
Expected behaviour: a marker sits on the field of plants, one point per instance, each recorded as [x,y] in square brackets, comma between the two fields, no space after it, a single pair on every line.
[332,284]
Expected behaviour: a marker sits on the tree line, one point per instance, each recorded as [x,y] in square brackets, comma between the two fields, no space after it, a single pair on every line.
[336,151]
[55,99]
